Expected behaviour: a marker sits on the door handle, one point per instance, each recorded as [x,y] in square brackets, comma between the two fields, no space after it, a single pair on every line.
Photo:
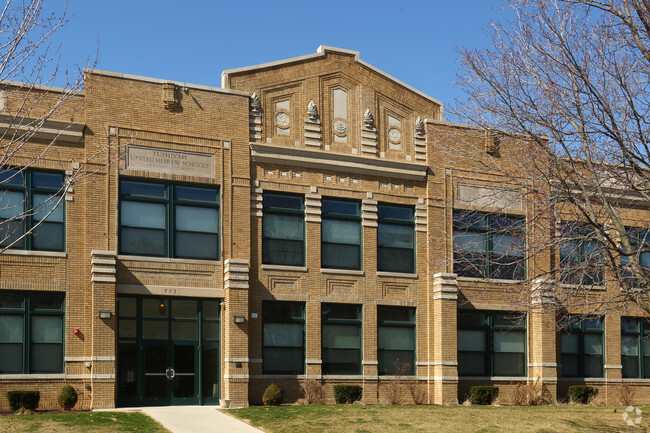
[170,373]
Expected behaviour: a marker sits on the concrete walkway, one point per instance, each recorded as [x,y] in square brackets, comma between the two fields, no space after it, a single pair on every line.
[194,419]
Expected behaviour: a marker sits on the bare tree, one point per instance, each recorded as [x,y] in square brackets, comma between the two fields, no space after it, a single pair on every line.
[35,119]
[568,80]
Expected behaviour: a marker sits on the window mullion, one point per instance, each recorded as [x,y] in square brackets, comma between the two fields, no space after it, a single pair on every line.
[170,225]
[27,219]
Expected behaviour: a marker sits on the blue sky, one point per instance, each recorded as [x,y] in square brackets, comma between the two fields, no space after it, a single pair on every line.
[194,41]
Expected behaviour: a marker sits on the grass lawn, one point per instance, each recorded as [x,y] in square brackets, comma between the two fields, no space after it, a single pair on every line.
[86,422]
[437,419]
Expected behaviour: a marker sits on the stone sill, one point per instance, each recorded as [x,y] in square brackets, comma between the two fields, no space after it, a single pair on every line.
[397,275]
[341,271]
[496,378]
[123,257]
[32,376]
[58,254]
[284,268]
[489,280]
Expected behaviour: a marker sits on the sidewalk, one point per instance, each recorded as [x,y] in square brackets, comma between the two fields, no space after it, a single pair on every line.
[194,419]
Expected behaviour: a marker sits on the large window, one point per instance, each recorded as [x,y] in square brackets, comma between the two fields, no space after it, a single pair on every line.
[640,242]
[341,338]
[487,245]
[284,337]
[283,229]
[635,347]
[580,255]
[395,238]
[582,347]
[31,332]
[31,199]
[341,234]
[396,338]
[491,343]
[169,220]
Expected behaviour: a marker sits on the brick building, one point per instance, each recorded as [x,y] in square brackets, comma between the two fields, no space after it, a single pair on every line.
[297,223]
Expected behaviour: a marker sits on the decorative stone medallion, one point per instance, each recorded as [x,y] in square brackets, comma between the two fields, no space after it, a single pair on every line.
[394,135]
[340,127]
[282,119]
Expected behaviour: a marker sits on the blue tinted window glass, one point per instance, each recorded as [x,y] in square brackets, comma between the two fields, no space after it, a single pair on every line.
[395,212]
[198,194]
[11,177]
[47,180]
[147,189]
[283,201]
[340,207]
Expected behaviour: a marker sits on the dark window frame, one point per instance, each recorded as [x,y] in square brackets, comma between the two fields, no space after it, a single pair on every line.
[490,268]
[334,216]
[577,236]
[28,312]
[637,237]
[29,190]
[384,322]
[170,202]
[388,221]
[357,323]
[518,323]
[578,326]
[641,334]
[269,318]
[267,257]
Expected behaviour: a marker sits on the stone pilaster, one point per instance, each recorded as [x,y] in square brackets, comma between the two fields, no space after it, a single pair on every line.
[443,368]
[235,345]
[102,335]
[542,336]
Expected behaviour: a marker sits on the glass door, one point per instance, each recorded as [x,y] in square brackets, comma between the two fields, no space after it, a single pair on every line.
[157,373]
[185,380]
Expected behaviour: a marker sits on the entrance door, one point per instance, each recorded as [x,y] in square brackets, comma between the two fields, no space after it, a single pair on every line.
[170,373]
[168,351]
[185,386]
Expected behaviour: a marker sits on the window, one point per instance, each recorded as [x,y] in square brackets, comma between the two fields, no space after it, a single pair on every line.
[640,242]
[635,347]
[284,337]
[341,234]
[582,347]
[169,220]
[489,246]
[31,200]
[396,338]
[491,343]
[31,332]
[395,238]
[283,229]
[580,258]
[341,338]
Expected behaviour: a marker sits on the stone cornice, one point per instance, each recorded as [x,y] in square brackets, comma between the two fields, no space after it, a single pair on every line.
[48,128]
[337,162]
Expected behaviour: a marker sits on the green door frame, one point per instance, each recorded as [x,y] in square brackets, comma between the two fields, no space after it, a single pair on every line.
[172,384]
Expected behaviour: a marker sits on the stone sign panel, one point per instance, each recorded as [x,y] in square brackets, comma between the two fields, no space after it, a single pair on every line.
[479,195]
[169,161]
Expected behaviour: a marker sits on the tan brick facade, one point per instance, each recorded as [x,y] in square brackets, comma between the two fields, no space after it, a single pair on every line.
[321,126]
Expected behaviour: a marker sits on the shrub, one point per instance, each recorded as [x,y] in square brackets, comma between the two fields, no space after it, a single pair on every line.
[417,391]
[483,394]
[532,394]
[28,400]
[626,394]
[14,398]
[67,397]
[314,392]
[347,393]
[272,396]
[581,393]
